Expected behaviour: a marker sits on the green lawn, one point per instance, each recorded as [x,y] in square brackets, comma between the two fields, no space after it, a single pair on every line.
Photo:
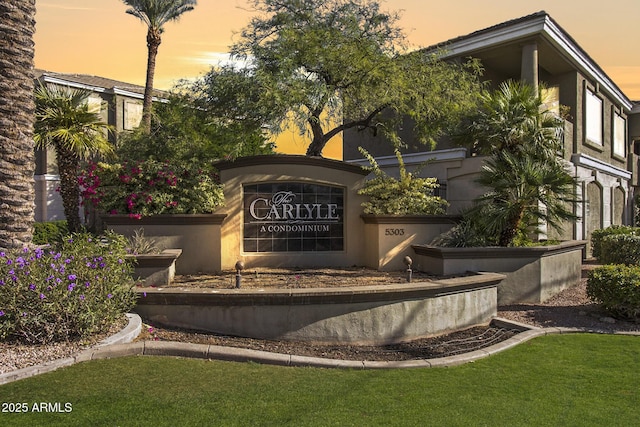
[559,380]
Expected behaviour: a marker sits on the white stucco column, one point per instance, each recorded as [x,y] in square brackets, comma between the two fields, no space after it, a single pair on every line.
[529,65]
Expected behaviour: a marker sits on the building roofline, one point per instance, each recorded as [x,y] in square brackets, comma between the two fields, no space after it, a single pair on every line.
[88,82]
[539,23]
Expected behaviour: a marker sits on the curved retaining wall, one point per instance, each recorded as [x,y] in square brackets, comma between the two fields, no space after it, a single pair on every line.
[380,314]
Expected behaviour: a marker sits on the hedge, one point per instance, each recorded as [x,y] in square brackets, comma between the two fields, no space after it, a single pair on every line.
[49,232]
[598,235]
[620,249]
[617,289]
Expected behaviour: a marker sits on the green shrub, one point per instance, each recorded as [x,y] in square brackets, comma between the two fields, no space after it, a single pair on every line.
[64,292]
[617,289]
[49,232]
[462,235]
[598,235]
[408,195]
[620,249]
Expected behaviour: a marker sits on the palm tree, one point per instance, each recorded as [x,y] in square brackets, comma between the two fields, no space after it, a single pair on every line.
[65,122]
[155,13]
[524,192]
[512,118]
[17,164]
[527,180]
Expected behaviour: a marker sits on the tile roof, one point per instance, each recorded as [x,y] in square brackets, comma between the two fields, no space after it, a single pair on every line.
[490,29]
[97,82]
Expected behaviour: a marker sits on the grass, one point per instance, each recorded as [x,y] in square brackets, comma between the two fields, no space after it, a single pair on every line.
[559,380]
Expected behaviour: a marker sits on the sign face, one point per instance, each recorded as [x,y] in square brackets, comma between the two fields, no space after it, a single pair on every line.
[293,217]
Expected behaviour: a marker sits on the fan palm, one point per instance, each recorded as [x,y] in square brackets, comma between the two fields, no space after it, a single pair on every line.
[527,181]
[512,118]
[524,192]
[17,26]
[65,122]
[155,14]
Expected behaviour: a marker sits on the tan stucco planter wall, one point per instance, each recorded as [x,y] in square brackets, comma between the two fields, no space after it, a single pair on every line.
[285,168]
[156,269]
[361,315]
[390,237]
[197,235]
[534,274]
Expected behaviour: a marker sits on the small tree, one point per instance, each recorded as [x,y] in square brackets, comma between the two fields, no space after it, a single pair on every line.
[524,192]
[512,118]
[65,122]
[335,65]
[408,195]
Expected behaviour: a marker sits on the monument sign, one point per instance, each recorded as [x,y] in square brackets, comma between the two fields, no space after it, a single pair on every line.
[293,217]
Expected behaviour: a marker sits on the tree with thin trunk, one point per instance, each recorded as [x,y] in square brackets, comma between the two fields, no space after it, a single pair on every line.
[335,65]
[155,14]
[65,122]
[17,165]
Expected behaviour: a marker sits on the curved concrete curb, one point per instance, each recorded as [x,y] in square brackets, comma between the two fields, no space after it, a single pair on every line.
[126,335]
[122,347]
[235,354]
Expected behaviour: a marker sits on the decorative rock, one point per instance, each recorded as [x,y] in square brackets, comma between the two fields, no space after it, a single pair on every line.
[608,320]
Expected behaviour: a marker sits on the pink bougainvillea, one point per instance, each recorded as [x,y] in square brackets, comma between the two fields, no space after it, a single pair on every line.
[150,188]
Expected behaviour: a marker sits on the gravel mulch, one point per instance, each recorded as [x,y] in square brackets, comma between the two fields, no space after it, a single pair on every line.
[291,278]
[570,308]
[15,356]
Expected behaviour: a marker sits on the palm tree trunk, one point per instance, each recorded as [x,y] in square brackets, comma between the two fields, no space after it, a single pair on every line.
[17,164]
[153,43]
[511,229]
[68,164]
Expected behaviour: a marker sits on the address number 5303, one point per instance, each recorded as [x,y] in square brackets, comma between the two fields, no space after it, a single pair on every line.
[394,231]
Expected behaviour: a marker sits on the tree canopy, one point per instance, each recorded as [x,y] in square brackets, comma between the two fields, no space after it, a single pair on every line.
[190,126]
[334,65]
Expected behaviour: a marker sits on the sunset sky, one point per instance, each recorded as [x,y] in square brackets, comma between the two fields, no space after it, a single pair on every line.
[97,37]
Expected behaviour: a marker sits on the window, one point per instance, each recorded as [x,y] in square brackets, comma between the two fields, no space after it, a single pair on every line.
[551,99]
[593,117]
[619,135]
[95,104]
[132,115]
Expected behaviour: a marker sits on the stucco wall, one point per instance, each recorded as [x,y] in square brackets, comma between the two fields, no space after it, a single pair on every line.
[389,238]
[359,315]
[284,168]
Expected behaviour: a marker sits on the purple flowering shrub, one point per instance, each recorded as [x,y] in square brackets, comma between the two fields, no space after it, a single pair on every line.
[62,293]
[150,188]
